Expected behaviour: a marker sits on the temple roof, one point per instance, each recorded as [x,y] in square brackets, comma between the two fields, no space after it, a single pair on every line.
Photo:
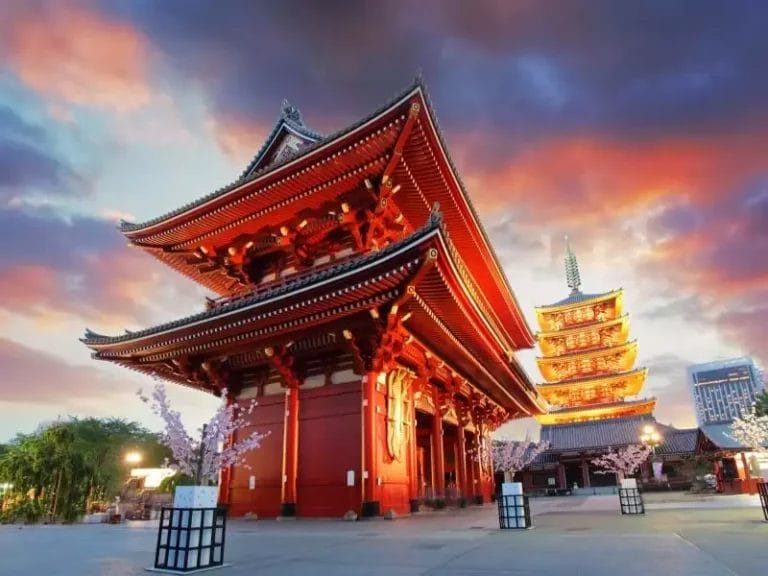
[616,433]
[417,272]
[295,284]
[290,123]
[250,173]
[623,319]
[274,191]
[590,380]
[594,412]
[593,352]
[720,435]
[580,298]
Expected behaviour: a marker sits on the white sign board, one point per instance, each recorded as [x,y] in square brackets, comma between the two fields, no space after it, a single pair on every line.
[350,477]
[629,483]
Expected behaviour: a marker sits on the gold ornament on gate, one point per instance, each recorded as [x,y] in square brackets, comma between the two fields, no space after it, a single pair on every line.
[398,382]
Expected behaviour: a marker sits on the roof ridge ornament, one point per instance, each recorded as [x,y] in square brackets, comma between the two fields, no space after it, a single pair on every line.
[435,215]
[290,112]
[572,275]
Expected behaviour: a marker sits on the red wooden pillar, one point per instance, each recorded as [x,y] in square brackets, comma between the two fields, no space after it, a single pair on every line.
[470,471]
[290,452]
[438,450]
[370,504]
[479,464]
[747,485]
[584,473]
[462,463]
[226,473]
[561,481]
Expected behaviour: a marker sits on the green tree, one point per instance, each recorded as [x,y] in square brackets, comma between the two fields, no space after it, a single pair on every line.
[64,467]
[761,403]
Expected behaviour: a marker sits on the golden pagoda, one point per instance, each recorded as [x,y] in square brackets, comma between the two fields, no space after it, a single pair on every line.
[587,358]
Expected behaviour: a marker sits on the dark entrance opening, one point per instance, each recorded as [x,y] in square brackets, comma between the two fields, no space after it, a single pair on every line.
[424,483]
[572,474]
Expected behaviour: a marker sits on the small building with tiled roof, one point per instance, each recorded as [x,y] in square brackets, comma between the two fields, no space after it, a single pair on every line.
[572,446]
[737,468]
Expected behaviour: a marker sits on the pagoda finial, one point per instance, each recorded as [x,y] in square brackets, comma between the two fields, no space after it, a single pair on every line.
[291,113]
[572,275]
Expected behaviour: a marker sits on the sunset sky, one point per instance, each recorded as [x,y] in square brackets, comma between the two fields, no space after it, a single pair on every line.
[640,129]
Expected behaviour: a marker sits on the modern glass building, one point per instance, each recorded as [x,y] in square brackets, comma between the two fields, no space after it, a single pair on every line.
[724,389]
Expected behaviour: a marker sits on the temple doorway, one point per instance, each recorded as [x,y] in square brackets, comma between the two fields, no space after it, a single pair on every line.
[573,474]
[450,449]
[424,475]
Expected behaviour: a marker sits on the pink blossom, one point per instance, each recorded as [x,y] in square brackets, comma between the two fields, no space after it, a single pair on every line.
[751,431]
[510,456]
[623,462]
[203,458]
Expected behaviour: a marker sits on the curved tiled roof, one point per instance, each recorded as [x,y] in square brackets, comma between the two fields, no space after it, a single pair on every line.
[576,298]
[284,122]
[434,222]
[615,433]
[246,177]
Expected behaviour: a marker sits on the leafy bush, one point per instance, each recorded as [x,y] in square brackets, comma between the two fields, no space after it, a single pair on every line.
[179,479]
[24,510]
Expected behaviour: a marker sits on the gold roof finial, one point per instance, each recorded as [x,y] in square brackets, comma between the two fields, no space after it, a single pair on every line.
[572,275]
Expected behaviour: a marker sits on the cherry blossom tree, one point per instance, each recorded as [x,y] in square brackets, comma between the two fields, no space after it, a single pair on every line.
[623,462]
[751,431]
[511,456]
[203,458]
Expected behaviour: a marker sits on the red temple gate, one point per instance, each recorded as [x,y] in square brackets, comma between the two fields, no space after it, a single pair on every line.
[375,329]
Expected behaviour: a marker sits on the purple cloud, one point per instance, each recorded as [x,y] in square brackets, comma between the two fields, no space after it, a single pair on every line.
[27,163]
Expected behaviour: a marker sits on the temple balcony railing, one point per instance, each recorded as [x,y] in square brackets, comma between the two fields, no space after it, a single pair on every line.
[284,279]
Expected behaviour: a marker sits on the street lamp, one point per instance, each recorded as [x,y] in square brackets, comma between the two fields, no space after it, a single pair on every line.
[650,437]
[133,457]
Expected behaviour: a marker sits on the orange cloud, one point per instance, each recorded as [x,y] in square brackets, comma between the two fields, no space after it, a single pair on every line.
[582,179]
[118,288]
[239,138]
[77,56]
[35,376]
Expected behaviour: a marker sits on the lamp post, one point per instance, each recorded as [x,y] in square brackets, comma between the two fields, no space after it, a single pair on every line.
[650,437]
[133,457]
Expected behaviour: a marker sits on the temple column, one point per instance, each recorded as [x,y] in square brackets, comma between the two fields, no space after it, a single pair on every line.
[461,464]
[225,480]
[477,471]
[561,481]
[438,449]
[584,473]
[747,475]
[470,471]
[370,504]
[290,452]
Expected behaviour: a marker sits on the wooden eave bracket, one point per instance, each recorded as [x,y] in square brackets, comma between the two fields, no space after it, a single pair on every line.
[352,347]
[284,364]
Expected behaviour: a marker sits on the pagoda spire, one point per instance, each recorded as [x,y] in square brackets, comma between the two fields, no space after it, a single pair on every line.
[572,275]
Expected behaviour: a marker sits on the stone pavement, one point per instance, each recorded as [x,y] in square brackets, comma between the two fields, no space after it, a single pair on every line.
[571,536]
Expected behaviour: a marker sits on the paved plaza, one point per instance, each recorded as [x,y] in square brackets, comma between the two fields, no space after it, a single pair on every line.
[678,536]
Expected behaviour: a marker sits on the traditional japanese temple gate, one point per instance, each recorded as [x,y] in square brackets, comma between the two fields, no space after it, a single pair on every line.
[375,329]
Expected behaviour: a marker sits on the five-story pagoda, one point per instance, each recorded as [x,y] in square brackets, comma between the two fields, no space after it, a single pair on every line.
[587,358]
[360,303]
[587,363]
